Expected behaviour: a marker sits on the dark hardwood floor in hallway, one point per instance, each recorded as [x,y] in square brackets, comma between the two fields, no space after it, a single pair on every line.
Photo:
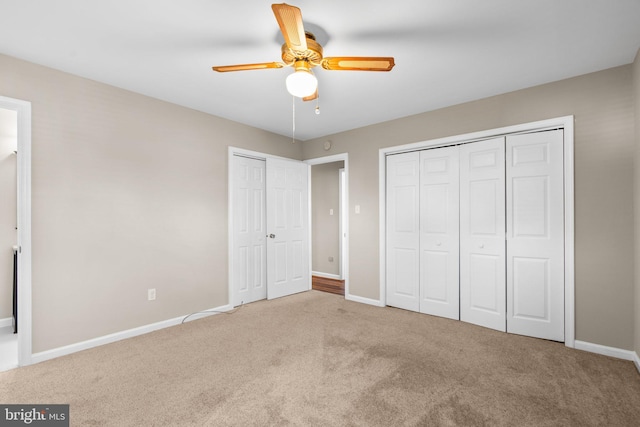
[325,284]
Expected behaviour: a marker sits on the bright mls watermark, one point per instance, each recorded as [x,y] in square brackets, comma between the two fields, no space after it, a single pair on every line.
[34,415]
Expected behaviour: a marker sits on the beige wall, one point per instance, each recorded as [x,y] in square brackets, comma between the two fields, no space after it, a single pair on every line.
[8,237]
[636,95]
[325,228]
[128,193]
[604,145]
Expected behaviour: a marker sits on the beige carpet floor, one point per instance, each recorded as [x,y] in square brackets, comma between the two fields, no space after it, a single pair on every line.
[314,359]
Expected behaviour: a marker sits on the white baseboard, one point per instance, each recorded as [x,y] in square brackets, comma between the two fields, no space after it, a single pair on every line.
[606,351]
[363,300]
[130,333]
[6,322]
[326,275]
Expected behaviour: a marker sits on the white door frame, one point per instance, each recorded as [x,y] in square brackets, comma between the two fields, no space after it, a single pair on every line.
[344,217]
[344,213]
[566,123]
[23,109]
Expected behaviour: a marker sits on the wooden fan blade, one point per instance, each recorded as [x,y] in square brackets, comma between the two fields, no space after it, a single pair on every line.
[290,22]
[311,97]
[243,67]
[358,63]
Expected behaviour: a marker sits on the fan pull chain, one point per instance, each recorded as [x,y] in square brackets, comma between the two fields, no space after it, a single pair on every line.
[293,119]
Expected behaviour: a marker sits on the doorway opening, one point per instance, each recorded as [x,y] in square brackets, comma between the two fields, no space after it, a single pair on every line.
[329,224]
[243,271]
[8,238]
[15,233]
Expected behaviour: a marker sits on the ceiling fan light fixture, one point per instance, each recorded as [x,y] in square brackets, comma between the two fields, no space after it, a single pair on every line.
[303,52]
[302,82]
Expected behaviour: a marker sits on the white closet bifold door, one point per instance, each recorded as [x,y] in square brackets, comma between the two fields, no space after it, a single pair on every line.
[535,235]
[482,234]
[439,232]
[403,230]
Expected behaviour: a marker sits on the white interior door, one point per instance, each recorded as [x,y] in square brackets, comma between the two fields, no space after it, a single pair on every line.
[535,235]
[288,269]
[403,231]
[482,234]
[439,232]
[249,242]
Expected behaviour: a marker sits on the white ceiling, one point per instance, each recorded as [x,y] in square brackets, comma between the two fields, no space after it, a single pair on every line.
[446,51]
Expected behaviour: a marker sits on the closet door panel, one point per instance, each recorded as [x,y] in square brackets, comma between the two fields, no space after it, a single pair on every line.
[249,244]
[403,231]
[288,257]
[439,232]
[535,235]
[482,234]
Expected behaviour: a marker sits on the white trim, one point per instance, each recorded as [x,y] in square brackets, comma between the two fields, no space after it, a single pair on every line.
[326,275]
[636,360]
[569,235]
[344,270]
[328,159]
[363,300]
[343,211]
[118,336]
[309,227]
[6,322]
[23,108]
[382,223]
[558,122]
[618,353]
[230,173]
[566,123]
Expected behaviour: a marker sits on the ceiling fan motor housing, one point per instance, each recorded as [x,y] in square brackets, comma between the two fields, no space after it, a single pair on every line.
[312,55]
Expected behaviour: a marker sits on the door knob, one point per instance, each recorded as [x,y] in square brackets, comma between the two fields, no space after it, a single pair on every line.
[271,236]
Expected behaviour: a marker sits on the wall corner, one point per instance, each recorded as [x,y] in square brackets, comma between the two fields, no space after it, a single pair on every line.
[636,205]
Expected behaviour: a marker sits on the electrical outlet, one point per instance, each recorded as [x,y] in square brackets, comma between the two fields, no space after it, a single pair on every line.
[151,294]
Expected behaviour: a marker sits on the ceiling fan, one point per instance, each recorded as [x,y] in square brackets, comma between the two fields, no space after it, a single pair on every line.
[301,51]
